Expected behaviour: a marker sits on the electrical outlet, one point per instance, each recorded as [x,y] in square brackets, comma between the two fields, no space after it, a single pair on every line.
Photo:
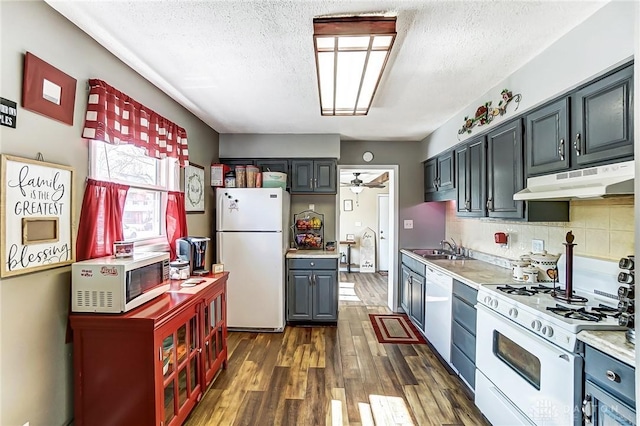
[312,206]
[358,223]
[408,224]
[537,246]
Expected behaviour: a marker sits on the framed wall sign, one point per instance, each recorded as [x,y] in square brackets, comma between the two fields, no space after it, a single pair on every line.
[47,90]
[194,188]
[36,216]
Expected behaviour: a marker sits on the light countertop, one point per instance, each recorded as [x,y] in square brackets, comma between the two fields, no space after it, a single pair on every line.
[610,342]
[476,273]
[472,272]
[321,254]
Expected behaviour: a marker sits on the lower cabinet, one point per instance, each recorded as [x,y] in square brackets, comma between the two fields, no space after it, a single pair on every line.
[463,331]
[312,290]
[149,366]
[412,289]
[609,390]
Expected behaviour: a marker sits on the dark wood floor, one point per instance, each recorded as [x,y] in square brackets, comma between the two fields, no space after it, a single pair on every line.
[335,375]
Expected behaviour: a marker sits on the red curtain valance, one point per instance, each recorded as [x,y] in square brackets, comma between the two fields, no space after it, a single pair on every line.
[114,117]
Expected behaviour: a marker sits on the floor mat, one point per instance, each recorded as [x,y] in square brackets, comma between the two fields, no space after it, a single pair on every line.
[395,328]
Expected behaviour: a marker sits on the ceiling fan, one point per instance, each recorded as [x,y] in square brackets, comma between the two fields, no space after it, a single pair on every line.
[356,182]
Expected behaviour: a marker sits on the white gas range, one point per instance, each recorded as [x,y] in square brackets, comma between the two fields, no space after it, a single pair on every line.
[529,367]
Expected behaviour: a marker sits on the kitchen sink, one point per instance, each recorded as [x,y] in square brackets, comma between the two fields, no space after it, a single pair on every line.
[437,254]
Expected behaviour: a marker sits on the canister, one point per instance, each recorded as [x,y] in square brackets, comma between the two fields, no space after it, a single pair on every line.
[230,179]
[179,270]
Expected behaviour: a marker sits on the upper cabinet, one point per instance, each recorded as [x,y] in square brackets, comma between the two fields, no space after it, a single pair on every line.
[439,179]
[590,126]
[304,176]
[471,178]
[275,165]
[313,176]
[489,170]
[505,171]
[602,119]
[548,141]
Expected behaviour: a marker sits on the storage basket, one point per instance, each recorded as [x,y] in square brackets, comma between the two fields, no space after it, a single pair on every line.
[274,180]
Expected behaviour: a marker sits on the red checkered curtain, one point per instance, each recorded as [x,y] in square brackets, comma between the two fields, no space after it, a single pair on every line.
[115,118]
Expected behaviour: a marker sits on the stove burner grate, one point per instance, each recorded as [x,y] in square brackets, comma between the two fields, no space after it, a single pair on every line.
[561,295]
[596,313]
[524,291]
[520,291]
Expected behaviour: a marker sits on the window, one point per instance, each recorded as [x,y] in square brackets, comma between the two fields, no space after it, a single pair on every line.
[149,180]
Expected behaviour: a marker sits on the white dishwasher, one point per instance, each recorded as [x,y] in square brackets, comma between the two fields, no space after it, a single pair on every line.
[437,318]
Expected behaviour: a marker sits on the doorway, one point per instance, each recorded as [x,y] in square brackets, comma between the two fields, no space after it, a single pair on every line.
[367,210]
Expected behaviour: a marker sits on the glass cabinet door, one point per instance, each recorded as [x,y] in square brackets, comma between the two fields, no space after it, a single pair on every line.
[214,337]
[180,356]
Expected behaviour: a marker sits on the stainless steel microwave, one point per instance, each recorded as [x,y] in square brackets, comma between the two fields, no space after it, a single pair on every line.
[115,285]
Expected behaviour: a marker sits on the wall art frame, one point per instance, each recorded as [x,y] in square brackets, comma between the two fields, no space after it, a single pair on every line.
[48,91]
[37,204]
[194,188]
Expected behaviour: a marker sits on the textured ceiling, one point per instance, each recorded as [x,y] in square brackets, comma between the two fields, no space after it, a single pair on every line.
[248,66]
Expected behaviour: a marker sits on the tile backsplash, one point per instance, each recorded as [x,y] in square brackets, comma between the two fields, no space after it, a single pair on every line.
[602,228]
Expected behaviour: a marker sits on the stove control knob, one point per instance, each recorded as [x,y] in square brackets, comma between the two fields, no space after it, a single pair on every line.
[549,332]
[487,300]
[536,325]
[513,313]
[494,303]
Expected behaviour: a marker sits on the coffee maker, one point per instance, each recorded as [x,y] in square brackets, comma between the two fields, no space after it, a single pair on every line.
[193,250]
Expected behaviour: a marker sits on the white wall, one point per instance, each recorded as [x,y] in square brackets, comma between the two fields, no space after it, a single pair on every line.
[35,362]
[279,146]
[600,43]
[365,212]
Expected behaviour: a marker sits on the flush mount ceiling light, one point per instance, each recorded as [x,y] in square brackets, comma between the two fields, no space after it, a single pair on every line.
[351,53]
[356,189]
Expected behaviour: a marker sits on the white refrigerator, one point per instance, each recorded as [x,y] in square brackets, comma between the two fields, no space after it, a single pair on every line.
[252,239]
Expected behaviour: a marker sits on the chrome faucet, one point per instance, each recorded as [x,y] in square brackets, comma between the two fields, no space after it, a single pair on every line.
[453,248]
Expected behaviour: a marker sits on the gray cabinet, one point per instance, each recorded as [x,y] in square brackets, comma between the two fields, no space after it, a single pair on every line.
[416,299]
[412,289]
[275,165]
[463,331]
[589,126]
[609,390]
[602,119]
[404,288]
[314,176]
[489,170]
[471,175]
[312,290]
[439,177]
[547,138]
[505,171]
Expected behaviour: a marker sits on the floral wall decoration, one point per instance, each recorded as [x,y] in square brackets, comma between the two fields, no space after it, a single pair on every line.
[486,113]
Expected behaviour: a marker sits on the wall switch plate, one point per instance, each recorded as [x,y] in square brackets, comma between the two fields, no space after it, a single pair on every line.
[408,224]
[537,246]
[358,223]
[312,206]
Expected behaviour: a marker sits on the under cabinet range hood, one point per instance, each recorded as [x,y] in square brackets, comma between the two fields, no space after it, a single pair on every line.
[591,182]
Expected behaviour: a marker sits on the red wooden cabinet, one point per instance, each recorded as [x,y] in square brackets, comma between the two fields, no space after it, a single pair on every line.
[150,366]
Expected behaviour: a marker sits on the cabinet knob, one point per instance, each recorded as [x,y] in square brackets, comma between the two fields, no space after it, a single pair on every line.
[576,144]
[613,376]
[561,149]
[312,264]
